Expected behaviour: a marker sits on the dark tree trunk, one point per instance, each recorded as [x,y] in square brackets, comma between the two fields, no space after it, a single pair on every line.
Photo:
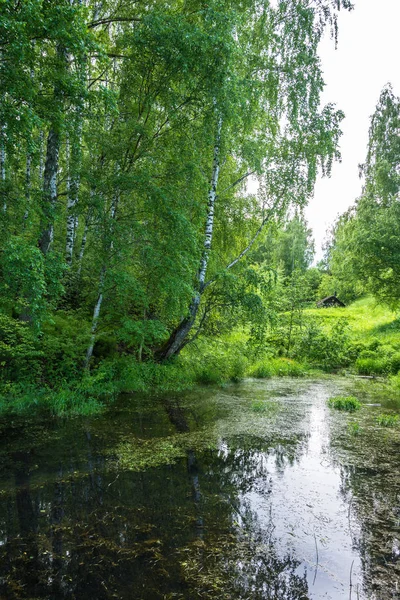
[49,190]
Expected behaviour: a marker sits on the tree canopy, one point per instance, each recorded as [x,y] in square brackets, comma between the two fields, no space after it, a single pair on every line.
[128,133]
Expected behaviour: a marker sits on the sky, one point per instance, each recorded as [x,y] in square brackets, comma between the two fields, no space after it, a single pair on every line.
[367,57]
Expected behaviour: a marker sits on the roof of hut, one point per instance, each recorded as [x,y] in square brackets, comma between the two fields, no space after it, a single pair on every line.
[330,301]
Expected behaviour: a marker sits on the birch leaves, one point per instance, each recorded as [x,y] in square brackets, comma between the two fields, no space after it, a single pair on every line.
[170,107]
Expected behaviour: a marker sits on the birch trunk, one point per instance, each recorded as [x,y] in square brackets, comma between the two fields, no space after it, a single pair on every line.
[51,166]
[96,315]
[97,308]
[74,166]
[178,338]
[41,158]
[3,162]
[50,190]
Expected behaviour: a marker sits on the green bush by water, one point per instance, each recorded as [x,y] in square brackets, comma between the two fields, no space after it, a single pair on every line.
[345,403]
[277,367]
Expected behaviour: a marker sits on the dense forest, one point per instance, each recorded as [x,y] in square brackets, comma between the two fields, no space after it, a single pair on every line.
[155,160]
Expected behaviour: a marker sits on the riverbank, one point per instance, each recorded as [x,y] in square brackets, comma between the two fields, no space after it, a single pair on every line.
[361,339]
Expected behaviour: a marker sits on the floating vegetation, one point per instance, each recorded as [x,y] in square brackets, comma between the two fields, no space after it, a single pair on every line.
[345,403]
[354,428]
[140,455]
[261,406]
[387,420]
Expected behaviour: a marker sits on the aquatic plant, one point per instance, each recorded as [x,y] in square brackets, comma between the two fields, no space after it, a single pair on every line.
[387,420]
[261,406]
[354,428]
[345,403]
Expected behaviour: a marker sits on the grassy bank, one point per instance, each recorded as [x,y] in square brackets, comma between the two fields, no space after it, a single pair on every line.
[363,338]
[371,340]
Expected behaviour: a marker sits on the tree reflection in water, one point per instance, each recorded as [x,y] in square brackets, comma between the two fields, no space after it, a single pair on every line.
[75,526]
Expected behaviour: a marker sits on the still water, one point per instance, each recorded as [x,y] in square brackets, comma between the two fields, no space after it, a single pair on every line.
[254,491]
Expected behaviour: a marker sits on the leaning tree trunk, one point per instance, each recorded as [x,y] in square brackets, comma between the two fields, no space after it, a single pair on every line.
[179,337]
[99,302]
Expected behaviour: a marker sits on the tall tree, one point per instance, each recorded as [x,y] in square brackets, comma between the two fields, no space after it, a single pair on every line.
[273,80]
[366,248]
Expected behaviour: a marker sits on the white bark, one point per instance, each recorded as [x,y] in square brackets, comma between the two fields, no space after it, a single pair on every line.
[178,338]
[83,242]
[212,194]
[97,308]
[41,158]
[3,162]
[96,315]
[74,165]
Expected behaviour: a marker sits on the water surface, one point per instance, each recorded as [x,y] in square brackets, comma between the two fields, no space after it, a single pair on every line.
[254,491]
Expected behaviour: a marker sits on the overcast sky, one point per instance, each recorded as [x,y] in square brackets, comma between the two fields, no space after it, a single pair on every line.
[367,57]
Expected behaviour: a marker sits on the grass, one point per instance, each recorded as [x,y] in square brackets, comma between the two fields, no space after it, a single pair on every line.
[277,367]
[368,321]
[374,337]
[345,403]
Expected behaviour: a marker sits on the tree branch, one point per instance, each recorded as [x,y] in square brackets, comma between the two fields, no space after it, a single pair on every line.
[113,20]
[253,239]
[235,183]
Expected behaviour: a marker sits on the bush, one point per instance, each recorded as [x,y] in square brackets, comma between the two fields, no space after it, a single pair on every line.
[215,364]
[345,403]
[278,367]
[64,343]
[19,354]
[329,350]
[372,366]
[261,370]
[395,363]
[284,367]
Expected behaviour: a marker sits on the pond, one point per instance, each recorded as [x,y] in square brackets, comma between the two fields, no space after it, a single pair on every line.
[253,491]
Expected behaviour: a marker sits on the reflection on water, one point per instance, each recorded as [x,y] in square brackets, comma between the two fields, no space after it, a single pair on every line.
[273,504]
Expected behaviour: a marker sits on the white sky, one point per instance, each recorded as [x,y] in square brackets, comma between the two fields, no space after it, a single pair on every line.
[367,57]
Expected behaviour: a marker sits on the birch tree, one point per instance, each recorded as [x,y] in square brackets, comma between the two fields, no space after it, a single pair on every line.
[274,63]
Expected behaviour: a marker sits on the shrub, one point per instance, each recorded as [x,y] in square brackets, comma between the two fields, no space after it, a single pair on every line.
[64,343]
[215,364]
[19,355]
[328,350]
[395,363]
[284,367]
[345,403]
[372,366]
[262,370]
[279,367]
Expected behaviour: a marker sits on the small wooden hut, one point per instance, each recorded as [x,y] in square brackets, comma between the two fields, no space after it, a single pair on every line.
[330,301]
